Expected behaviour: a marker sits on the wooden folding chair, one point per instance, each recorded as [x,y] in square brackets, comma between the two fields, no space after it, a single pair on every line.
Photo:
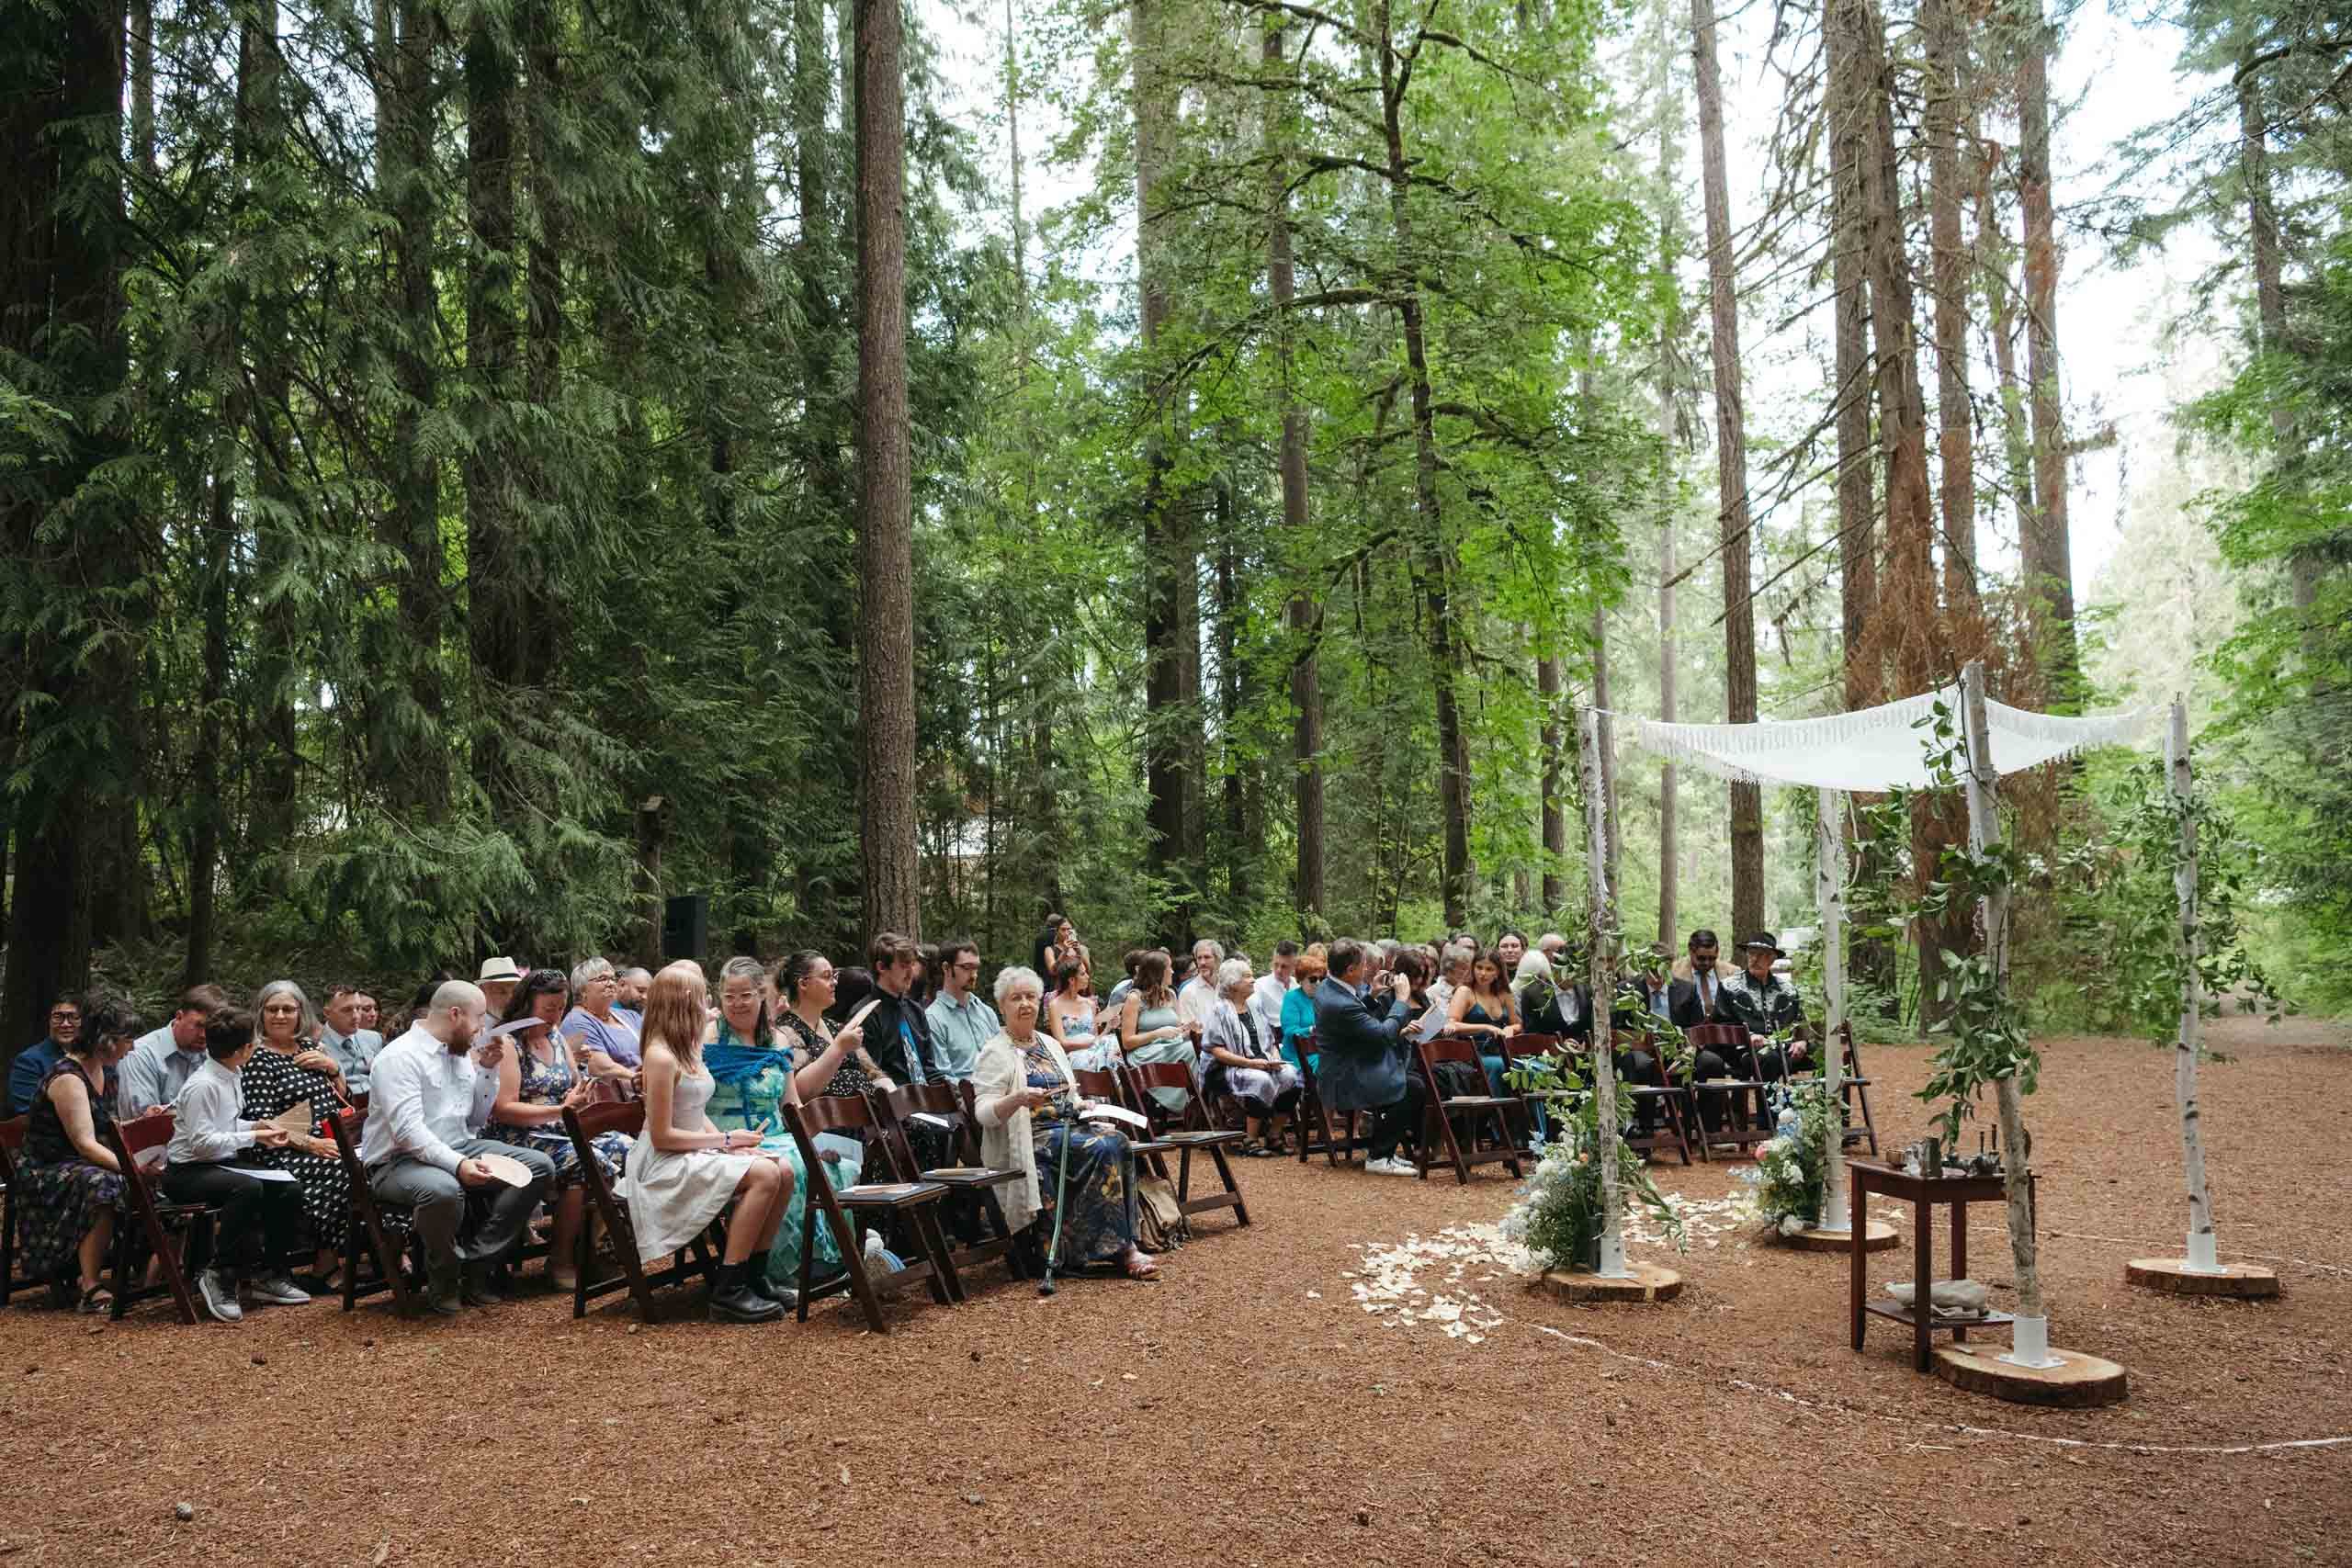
[1668,1098]
[1440,1111]
[1313,1118]
[918,1201]
[160,1222]
[697,1263]
[380,1251]
[1740,1128]
[1517,1050]
[1183,1133]
[12,1140]
[970,1181]
[1856,1088]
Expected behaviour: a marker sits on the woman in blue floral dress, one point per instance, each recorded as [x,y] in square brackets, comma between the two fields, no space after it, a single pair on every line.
[536,1079]
[69,1187]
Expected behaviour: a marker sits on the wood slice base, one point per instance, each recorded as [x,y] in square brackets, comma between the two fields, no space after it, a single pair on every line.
[1645,1282]
[1878,1237]
[2076,1382]
[2246,1281]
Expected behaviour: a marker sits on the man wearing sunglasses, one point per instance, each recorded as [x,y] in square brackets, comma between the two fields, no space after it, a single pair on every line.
[33,1063]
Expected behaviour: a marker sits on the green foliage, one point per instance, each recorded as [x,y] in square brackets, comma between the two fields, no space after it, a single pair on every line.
[1559,1213]
[1790,1177]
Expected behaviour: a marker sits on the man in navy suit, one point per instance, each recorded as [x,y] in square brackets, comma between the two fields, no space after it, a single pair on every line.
[1365,1056]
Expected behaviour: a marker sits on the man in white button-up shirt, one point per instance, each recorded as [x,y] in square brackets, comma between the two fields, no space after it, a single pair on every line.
[421,1149]
[259,1209]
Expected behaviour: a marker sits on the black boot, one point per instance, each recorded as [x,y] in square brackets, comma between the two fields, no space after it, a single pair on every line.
[755,1278]
[733,1301]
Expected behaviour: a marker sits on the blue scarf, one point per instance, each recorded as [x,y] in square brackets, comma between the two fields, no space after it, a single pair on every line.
[735,1064]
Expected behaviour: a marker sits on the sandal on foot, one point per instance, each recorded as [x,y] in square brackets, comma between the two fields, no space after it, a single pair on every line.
[1136,1266]
[95,1299]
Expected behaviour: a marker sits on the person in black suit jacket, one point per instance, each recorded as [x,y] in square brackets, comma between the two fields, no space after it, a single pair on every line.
[1363,1057]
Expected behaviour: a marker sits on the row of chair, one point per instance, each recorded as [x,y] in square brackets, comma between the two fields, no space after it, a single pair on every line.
[1465,1130]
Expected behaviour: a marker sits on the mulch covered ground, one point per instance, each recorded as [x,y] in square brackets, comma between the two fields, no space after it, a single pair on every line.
[1250,1410]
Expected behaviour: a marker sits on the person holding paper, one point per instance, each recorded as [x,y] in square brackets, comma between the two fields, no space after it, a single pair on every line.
[685,1171]
[285,1071]
[422,1150]
[1361,1057]
[260,1210]
[1031,1119]
[530,1084]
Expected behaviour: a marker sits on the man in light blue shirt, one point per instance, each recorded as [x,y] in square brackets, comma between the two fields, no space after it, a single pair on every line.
[354,1049]
[162,1061]
[960,1022]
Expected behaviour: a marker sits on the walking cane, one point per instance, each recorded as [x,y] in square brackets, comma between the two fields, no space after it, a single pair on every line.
[1061,1188]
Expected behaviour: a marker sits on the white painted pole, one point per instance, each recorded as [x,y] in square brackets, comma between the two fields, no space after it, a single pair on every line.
[2029,1336]
[1829,887]
[1599,945]
[2202,1257]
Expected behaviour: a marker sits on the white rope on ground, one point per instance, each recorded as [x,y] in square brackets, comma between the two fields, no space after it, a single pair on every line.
[1785,1397]
[2161,1250]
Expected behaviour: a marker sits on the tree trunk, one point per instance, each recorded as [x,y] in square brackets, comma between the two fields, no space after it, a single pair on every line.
[541,656]
[2045,552]
[1604,728]
[1731,474]
[1993,272]
[1306,690]
[142,86]
[407,749]
[276,630]
[1669,849]
[1168,589]
[1949,269]
[500,607]
[1549,689]
[886,632]
[1848,108]
[214,551]
[2304,567]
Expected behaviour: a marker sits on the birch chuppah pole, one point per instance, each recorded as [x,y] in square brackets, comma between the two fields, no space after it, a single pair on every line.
[1599,943]
[1829,892]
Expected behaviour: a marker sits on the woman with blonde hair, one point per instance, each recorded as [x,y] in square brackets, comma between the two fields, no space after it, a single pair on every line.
[684,1171]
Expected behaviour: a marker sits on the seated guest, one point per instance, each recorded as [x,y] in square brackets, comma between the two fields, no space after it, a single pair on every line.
[1508,948]
[258,1216]
[1361,1057]
[602,1033]
[162,1062]
[535,1080]
[422,1150]
[813,993]
[368,1016]
[685,1171]
[960,1021]
[1454,972]
[1487,1014]
[1070,1015]
[1151,1029]
[630,987]
[68,1182]
[925,984]
[352,1043]
[1298,1004]
[284,1072]
[1239,1061]
[1553,946]
[498,979]
[1267,995]
[1198,993]
[36,1062]
[1653,977]
[757,1073]
[1694,990]
[1765,1004]
[1032,1122]
[897,1034]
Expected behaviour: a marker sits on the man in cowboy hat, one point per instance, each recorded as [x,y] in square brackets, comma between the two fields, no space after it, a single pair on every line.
[498,979]
[1765,1004]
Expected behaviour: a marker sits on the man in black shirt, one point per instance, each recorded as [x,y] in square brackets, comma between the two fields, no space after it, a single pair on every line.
[898,1034]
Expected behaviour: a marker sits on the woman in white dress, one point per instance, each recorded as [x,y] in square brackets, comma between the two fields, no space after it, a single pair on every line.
[684,1171]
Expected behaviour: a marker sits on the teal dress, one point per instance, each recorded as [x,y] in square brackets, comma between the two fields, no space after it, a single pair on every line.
[1178,1048]
[1298,1023]
[748,1094]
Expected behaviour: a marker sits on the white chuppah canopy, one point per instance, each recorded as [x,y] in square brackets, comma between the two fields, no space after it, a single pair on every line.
[1867,753]
[1878,749]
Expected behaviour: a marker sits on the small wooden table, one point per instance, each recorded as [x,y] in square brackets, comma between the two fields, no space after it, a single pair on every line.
[1923,1193]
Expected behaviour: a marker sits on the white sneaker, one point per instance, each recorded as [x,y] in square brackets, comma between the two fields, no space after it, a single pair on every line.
[1393,1165]
[276,1290]
[220,1296]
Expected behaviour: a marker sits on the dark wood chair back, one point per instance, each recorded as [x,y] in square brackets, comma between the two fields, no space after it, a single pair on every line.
[378,1247]
[972,1186]
[1182,1132]
[918,1199]
[174,1232]
[1453,1124]
[1316,1131]
[605,1212]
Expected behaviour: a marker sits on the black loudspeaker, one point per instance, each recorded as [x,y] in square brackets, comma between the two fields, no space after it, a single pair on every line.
[685,928]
